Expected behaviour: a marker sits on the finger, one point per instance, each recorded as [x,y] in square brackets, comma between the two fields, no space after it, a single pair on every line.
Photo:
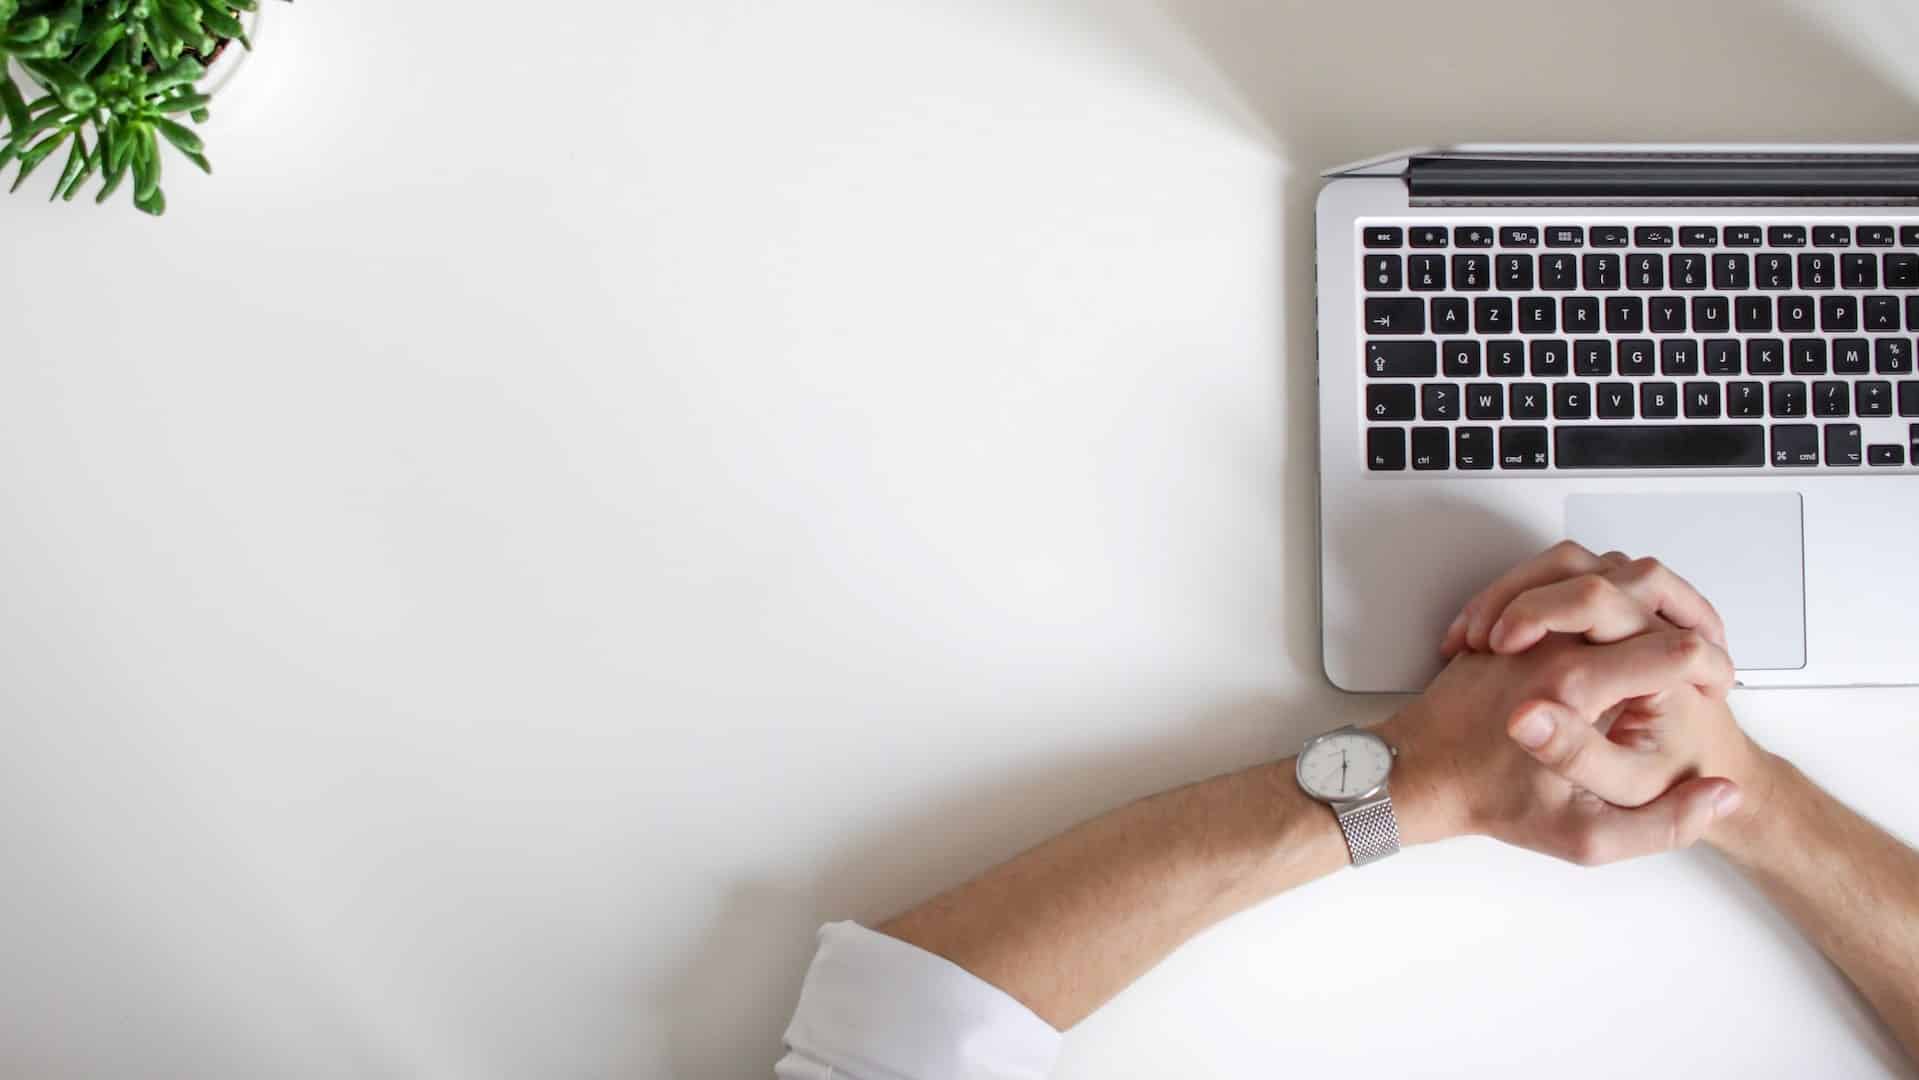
[1675,820]
[1651,583]
[1589,605]
[1469,628]
[1570,746]
[1591,679]
[1615,558]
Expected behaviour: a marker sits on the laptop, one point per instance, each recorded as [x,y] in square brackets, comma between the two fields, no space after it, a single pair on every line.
[1703,354]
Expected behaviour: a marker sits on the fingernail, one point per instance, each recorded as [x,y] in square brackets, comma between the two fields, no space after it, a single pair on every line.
[1534,729]
[1496,635]
[1454,627]
[1726,801]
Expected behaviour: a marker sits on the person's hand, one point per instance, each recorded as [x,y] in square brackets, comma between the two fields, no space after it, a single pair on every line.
[1622,706]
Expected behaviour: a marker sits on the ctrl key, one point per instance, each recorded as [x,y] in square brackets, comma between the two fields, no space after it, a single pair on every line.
[1386,449]
[1522,448]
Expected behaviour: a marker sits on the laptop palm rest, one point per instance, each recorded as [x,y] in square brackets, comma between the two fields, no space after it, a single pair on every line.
[1746,553]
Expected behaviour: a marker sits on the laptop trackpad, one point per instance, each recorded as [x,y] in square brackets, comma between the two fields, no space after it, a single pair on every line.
[1744,552]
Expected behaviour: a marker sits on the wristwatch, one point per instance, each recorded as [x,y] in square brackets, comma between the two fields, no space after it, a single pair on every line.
[1346,769]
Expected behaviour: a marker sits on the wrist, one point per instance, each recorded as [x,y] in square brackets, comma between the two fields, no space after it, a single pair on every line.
[1763,779]
[1425,782]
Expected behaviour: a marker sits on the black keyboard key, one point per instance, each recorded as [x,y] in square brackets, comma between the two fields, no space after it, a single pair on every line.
[1667,314]
[1808,356]
[1427,236]
[1527,401]
[1678,356]
[1550,358]
[1844,446]
[1874,236]
[1711,313]
[1912,436]
[1786,236]
[1607,235]
[1702,400]
[1592,356]
[1382,273]
[1830,399]
[1439,401]
[1909,399]
[1645,273]
[1849,356]
[1565,236]
[1572,401]
[1579,314]
[1858,271]
[1652,236]
[1473,236]
[1909,236]
[1732,270]
[1796,314]
[1432,448]
[1765,356]
[1514,273]
[1473,447]
[1558,270]
[1505,358]
[1451,315]
[1383,236]
[1698,236]
[1615,400]
[1882,313]
[1459,359]
[1872,397]
[1885,454]
[1745,400]
[1602,272]
[1472,273]
[1660,446]
[1752,313]
[1902,270]
[1395,316]
[1426,273]
[1386,449]
[1688,271]
[1658,400]
[1772,270]
[1537,315]
[1485,401]
[1402,359]
[1892,356]
[1522,448]
[1838,313]
[1635,356]
[1722,356]
[1831,235]
[1389,401]
[1743,236]
[1795,445]
[1912,312]
[1625,315]
[1788,399]
[1519,236]
[1815,270]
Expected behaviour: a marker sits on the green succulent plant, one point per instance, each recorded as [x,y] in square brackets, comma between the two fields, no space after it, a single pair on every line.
[108,80]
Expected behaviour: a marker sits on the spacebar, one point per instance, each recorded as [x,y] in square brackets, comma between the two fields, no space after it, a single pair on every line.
[1660,446]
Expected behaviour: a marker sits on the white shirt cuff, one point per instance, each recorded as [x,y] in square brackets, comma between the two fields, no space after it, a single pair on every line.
[876,1008]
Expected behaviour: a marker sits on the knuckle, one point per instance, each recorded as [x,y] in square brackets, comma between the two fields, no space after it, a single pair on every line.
[1569,552]
[1687,646]
[1592,589]
[1644,569]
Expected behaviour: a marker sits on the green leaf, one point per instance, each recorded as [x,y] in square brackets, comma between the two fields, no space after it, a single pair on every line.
[91,56]
[222,23]
[13,103]
[184,103]
[153,202]
[31,160]
[146,164]
[110,180]
[30,31]
[76,157]
[86,169]
[179,135]
[72,90]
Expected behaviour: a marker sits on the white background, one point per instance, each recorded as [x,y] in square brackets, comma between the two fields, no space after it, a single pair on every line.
[587,495]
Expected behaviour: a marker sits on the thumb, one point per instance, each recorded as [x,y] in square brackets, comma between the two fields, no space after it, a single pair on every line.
[1674,820]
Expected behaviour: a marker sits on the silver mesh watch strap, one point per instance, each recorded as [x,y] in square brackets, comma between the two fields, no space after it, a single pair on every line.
[1372,832]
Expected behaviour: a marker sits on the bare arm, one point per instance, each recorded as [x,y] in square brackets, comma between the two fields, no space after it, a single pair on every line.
[1850,886]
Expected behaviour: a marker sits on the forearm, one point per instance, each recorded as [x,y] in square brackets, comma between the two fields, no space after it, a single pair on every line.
[1069,924]
[1851,887]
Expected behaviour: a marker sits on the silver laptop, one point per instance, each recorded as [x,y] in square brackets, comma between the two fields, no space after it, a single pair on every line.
[1701,354]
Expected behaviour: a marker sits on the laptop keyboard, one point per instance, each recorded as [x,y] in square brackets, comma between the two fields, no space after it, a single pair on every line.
[1640,346]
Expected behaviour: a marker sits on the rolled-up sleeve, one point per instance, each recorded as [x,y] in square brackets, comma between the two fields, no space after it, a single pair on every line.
[875,1008]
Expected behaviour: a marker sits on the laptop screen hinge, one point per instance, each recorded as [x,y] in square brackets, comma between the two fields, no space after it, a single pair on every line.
[1664,179]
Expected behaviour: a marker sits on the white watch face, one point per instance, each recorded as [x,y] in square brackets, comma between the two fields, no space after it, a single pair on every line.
[1345,765]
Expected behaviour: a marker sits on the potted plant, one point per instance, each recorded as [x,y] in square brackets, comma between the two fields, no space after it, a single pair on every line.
[109,81]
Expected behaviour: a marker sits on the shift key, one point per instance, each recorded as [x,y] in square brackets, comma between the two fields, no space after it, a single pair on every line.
[1402,359]
[1385,315]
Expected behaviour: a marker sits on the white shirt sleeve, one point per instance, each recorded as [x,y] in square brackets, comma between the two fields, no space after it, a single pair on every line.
[876,1008]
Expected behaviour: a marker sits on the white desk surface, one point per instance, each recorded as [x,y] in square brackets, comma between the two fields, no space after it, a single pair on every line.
[583,498]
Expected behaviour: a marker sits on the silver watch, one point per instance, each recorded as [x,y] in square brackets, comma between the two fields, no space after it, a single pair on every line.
[1346,769]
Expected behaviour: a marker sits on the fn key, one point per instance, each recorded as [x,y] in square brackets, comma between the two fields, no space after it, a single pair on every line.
[1386,449]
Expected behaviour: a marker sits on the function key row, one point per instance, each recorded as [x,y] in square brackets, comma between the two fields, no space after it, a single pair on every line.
[1648,236]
